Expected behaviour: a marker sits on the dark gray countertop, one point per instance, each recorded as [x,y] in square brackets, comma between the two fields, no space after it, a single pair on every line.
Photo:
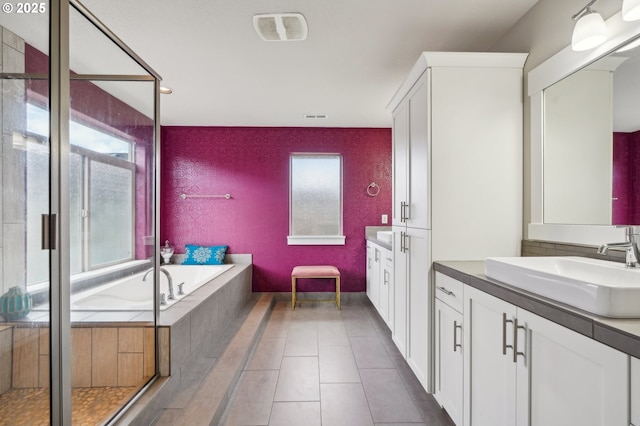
[621,334]
[370,235]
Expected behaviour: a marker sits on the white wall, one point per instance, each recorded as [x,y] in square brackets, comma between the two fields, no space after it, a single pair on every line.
[542,32]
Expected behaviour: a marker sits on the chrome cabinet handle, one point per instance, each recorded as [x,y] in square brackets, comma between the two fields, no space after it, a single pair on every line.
[517,327]
[386,277]
[406,242]
[377,255]
[404,208]
[504,334]
[456,345]
[447,292]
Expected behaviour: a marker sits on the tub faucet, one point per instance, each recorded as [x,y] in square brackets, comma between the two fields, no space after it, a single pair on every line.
[630,246]
[169,279]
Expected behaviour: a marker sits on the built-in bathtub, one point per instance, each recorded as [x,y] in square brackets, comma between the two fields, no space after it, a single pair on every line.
[134,293]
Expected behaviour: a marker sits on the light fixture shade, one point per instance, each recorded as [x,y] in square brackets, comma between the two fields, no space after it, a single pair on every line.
[631,10]
[590,31]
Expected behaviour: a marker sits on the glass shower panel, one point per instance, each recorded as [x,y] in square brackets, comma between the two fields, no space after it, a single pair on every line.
[112,141]
[24,265]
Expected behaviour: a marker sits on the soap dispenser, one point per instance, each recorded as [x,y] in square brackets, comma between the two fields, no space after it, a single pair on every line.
[166,251]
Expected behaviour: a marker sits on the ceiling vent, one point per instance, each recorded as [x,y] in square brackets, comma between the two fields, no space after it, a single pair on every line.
[280,26]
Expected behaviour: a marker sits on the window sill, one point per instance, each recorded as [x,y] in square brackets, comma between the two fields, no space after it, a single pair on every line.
[314,240]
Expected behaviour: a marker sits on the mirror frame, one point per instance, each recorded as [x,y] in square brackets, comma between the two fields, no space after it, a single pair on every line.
[554,69]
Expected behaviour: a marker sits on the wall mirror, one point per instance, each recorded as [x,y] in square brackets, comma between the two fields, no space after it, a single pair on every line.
[585,124]
[591,137]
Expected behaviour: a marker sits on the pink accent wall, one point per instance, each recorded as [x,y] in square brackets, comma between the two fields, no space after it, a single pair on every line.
[252,164]
[626,178]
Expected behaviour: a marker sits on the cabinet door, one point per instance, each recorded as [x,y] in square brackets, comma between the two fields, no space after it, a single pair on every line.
[400,162]
[448,360]
[419,184]
[420,302]
[635,391]
[565,378]
[385,281]
[489,370]
[400,318]
[374,294]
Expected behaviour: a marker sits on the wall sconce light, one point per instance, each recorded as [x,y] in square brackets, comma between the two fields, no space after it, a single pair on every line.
[630,10]
[590,30]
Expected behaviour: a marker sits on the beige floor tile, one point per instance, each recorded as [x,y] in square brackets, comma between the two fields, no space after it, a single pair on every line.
[332,333]
[344,405]
[337,365]
[387,396]
[252,398]
[295,414]
[299,380]
[302,342]
[369,352]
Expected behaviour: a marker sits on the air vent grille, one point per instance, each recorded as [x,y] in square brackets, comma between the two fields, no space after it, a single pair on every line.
[280,26]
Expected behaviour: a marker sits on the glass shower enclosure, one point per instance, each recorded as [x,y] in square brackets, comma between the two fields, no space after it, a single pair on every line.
[78,265]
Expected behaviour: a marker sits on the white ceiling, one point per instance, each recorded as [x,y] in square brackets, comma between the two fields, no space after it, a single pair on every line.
[356,55]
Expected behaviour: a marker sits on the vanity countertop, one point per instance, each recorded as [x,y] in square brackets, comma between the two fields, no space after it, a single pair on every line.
[370,235]
[620,333]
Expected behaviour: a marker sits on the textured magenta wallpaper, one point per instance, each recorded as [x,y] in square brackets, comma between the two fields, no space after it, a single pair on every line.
[626,178]
[252,164]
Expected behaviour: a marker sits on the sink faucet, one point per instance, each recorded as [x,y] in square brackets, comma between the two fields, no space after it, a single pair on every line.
[630,246]
[169,279]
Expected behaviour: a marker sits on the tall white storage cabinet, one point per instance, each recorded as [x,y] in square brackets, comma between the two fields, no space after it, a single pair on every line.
[457,175]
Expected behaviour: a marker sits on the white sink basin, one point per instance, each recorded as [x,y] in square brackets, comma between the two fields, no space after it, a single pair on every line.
[597,286]
[386,236]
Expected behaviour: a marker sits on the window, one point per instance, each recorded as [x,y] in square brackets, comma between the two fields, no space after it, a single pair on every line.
[101,195]
[315,199]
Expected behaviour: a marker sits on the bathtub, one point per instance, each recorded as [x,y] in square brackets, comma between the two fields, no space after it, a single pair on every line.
[131,293]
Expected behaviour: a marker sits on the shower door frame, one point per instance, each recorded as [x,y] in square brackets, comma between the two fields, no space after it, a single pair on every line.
[59,252]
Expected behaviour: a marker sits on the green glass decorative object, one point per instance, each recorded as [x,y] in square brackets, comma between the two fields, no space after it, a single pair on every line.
[15,304]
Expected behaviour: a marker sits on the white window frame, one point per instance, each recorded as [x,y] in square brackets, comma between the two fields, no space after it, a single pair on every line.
[297,240]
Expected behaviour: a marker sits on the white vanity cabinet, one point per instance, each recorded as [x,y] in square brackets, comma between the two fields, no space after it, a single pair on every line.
[451,156]
[448,346]
[379,278]
[521,369]
[635,391]
[386,285]
[373,272]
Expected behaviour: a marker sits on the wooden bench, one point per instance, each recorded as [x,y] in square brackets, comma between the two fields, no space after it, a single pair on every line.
[315,271]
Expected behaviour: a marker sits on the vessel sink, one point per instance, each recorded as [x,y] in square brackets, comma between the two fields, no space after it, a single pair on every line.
[597,286]
[386,236]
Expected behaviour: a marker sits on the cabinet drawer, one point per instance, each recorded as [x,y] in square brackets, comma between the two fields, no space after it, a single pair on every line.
[449,291]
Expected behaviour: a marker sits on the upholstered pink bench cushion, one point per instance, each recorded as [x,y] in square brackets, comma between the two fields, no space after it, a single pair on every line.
[315,271]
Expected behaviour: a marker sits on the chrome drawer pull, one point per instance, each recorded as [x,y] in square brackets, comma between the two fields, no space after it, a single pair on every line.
[447,292]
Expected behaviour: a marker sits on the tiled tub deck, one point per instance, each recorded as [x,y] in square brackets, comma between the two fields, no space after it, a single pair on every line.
[113,353]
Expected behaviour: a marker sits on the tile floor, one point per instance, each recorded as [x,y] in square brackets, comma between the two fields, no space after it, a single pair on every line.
[320,366]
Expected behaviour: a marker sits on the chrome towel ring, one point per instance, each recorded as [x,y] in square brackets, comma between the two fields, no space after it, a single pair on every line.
[373,189]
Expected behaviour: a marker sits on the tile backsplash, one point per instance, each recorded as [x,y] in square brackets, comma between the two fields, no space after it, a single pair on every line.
[550,248]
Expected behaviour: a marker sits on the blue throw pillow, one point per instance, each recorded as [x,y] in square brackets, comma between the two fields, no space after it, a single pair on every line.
[204,255]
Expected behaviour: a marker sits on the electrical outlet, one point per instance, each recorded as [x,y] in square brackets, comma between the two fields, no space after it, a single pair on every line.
[385,219]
